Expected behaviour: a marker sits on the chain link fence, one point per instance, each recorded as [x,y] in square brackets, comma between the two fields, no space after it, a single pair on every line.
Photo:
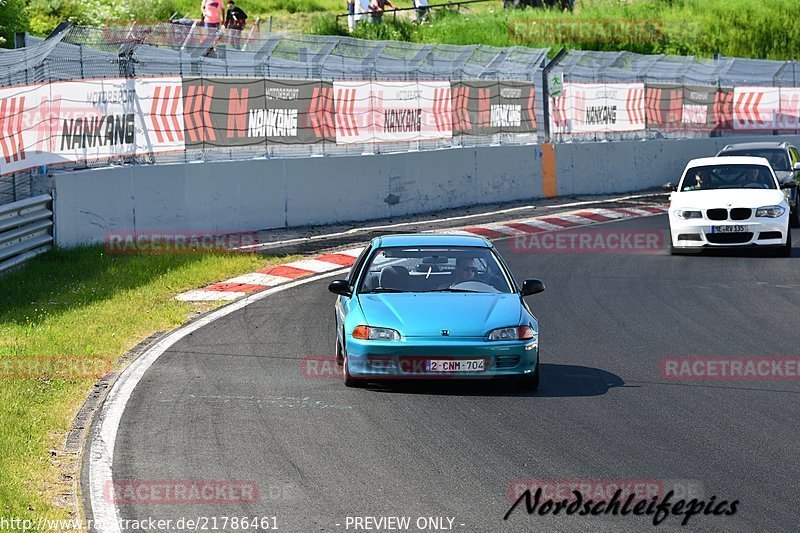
[211,58]
[675,96]
[196,94]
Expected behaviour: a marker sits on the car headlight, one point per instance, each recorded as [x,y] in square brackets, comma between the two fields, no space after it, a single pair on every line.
[375,334]
[686,214]
[512,333]
[770,211]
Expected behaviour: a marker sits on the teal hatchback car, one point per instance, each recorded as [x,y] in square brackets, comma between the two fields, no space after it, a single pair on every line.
[435,306]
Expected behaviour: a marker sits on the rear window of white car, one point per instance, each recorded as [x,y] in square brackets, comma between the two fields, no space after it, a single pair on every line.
[711,177]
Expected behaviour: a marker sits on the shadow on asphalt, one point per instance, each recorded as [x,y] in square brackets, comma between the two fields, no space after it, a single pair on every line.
[739,252]
[558,381]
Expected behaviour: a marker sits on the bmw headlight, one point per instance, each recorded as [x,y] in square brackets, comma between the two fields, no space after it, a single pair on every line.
[375,334]
[512,333]
[770,211]
[686,214]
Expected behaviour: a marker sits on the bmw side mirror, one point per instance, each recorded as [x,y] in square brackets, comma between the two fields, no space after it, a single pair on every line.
[532,286]
[789,185]
[669,187]
[797,166]
[340,287]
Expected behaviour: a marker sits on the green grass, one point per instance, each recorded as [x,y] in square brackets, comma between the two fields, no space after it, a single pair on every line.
[741,28]
[86,305]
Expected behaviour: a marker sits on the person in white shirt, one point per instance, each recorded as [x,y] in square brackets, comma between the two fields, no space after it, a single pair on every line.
[362,9]
[422,10]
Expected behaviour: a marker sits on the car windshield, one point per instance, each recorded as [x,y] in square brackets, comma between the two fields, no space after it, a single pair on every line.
[776,156]
[727,177]
[434,269]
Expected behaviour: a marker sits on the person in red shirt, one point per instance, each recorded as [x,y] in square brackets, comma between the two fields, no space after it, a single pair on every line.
[212,13]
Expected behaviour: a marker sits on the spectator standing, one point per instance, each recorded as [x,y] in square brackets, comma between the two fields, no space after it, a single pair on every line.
[377,7]
[212,13]
[351,15]
[235,21]
[422,10]
[362,9]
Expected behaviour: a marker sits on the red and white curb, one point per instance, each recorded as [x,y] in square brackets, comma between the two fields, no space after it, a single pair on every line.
[239,286]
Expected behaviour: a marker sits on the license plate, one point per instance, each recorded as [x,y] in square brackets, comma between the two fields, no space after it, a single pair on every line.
[728,229]
[454,365]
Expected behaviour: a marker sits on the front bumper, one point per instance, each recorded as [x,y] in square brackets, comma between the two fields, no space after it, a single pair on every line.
[697,233]
[407,358]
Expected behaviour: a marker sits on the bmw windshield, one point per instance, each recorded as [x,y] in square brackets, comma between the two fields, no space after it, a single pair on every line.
[728,177]
[434,269]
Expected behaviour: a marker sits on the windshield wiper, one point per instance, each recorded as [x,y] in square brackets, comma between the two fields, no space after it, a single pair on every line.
[450,289]
[383,289]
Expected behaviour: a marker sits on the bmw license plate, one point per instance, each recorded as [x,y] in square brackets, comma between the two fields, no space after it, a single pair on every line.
[454,365]
[728,229]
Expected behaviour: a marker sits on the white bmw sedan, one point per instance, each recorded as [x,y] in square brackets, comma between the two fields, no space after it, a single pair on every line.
[729,202]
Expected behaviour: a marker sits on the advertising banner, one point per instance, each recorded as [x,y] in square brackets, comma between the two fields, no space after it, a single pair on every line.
[599,108]
[698,109]
[256,112]
[723,109]
[391,111]
[766,108]
[489,107]
[663,106]
[70,122]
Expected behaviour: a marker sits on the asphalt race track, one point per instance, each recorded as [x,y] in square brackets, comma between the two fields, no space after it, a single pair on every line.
[235,401]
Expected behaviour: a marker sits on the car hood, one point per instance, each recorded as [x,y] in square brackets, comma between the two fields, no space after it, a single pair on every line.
[752,198]
[424,315]
[784,176]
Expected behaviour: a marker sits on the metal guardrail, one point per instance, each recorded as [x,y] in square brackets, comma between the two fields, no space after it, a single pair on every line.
[26,230]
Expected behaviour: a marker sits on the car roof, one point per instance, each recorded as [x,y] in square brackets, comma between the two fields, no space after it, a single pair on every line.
[728,160]
[756,145]
[431,239]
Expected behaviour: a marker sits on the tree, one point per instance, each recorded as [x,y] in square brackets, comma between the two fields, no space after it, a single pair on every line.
[13,18]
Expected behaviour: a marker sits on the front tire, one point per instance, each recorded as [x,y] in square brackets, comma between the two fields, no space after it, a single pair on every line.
[350,381]
[794,216]
[794,212]
[530,383]
[786,250]
[339,353]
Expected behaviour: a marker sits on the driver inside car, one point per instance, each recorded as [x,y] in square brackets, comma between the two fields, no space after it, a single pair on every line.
[754,177]
[466,269]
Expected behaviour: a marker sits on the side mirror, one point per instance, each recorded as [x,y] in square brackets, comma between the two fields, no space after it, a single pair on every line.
[796,166]
[532,286]
[340,287]
[788,185]
[669,187]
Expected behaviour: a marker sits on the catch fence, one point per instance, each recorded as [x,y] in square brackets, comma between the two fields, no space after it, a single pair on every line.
[89,96]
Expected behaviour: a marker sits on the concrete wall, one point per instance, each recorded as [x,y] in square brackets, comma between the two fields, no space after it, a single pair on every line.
[262,194]
[612,167]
